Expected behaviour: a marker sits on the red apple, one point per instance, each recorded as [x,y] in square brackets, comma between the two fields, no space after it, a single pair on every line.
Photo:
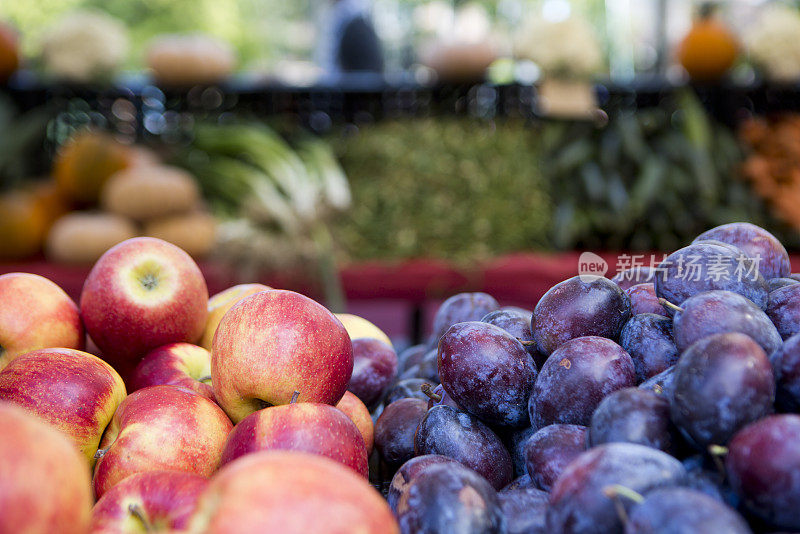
[177,364]
[292,493]
[44,485]
[141,294]
[374,370]
[72,390]
[35,314]
[161,427]
[358,413]
[273,344]
[219,304]
[302,426]
[148,502]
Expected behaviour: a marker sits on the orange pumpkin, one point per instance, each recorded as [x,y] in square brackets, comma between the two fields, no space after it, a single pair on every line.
[709,49]
[86,162]
[23,224]
[9,52]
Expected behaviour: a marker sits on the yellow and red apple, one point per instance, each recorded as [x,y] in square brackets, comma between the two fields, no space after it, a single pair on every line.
[141,294]
[72,390]
[34,314]
[44,487]
[220,303]
[153,501]
[161,427]
[292,493]
[359,414]
[303,426]
[274,344]
[358,328]
[177,364]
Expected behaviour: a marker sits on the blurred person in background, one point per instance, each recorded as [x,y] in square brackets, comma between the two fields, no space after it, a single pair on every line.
[348,41]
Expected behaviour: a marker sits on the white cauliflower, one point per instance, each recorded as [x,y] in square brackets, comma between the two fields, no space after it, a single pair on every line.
[773,42]
[85,45]
[566,49]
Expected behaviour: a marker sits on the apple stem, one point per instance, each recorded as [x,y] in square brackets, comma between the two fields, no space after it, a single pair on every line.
[295,395]
[206,378]
[667,304]
[100,453]
[426,389]
[615,491]
[137,512]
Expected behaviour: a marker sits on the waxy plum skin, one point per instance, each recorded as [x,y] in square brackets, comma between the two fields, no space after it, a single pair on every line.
[464,438]
[576,377]
[460,308]
[722,383]
[487,372]
[648,338]
[577,307]
[784,310]
[551,449]
[755,242]
[644,299]
[395,429]
[628,278]
[786,366]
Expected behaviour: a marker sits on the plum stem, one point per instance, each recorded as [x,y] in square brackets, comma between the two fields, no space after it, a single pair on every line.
[717,452]
[137,512]
[667,304]
[100,453]
[295,395]
[526,343]
[426,389]
[615,492]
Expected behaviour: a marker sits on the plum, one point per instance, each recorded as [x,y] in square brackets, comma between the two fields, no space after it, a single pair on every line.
[773,260]
[708,476]
[582,499]
[683,510]
[525,510]
[633,415]
[412,355]
[551,449]
[786,365]
[634,276]
[395,429]
[722,383]
[425,368]
[763,463]
[576,377]
[515,443]
[449,498]
[648,339]
[661,384]
[487,372]
[577,307]
[408,471]
[705,266]
[644,299]
[462,437]
[716,312]
[458,309]
[777,283]
[784,310]
[518,324]
[374,370]
[410,388]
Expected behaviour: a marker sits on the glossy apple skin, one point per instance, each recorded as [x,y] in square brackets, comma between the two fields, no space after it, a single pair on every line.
[161,427]
[274,343]
[359,414]
[219,304]
[177,364]
[45,484]
[303,426]
[34,314]
[359,328]
[72,390]
[292,493]
[125,318]
[167,499]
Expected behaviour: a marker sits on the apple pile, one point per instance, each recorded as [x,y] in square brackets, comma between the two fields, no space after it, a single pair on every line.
[187,414]
[662,400]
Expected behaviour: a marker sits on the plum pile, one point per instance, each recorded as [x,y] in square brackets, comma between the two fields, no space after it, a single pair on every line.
[662,399]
